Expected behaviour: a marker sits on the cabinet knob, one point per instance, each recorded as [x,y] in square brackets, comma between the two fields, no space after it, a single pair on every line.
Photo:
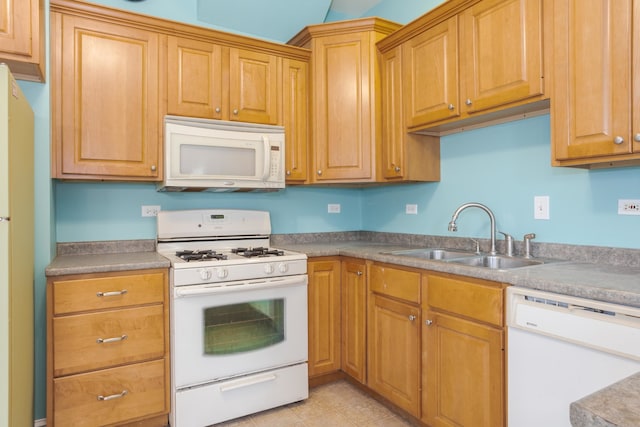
[618,140]
[153,168]
[235,112]
[288,173]
[451,107]
[319,171]
[359,273]
[428,322]
[397,169]
[468,101]
[218,110]
[412,317]
[636,137]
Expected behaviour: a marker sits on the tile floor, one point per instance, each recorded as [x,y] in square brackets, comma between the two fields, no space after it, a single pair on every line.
[337,404]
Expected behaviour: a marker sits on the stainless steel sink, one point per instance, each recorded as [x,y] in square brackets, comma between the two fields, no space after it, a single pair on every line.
[472,259]
[497,262]
[434,253]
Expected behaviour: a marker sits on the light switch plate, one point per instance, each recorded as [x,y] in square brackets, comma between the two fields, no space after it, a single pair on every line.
[333,208]
[411,209]
[541,207]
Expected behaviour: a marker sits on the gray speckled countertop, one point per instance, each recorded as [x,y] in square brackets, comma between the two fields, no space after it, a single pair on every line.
[615,406]
[611,283]
[102,257]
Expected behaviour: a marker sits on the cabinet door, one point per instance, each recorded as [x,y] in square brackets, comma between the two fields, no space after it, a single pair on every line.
[343,128]
[394,352]
[431,74]
[324,316]
[253,86]
[296,119]
[463,373]
[22,38]
[354,319]
[194,78]
[405,156]
[106,109]
[500,53]
[592,94]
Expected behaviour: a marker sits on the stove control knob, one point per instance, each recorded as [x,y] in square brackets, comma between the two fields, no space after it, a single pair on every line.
[283,268]
[222,273]
[268,268]
[205,274]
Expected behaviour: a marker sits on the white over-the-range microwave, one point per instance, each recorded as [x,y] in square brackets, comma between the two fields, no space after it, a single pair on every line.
[219,156]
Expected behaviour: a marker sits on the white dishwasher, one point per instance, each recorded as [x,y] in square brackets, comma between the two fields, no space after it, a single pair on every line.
[560,349]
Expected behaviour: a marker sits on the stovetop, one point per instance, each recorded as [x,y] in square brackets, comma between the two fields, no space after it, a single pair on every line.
[206,246]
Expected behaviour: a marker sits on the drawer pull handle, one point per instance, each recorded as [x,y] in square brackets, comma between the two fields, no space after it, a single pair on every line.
[108,340]
[113,396]
[111,294]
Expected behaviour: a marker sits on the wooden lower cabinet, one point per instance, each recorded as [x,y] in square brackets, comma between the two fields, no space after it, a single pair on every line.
[393,327]
[324,315]
[108,349]
[463,360]
[354,318]
[432,344]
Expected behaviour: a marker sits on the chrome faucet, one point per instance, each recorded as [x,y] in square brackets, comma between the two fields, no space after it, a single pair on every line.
[454,227]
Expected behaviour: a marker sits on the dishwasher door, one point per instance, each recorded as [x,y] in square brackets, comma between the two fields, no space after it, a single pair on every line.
[560,349]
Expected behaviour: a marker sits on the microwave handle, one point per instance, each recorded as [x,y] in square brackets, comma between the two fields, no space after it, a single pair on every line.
[267,157]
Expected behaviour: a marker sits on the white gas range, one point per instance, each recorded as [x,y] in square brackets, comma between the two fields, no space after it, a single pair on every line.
[238,315]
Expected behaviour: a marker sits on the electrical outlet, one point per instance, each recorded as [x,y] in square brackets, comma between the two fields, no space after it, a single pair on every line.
[411,209]
[628,207]
[150,210]
[541,207]
[333,208]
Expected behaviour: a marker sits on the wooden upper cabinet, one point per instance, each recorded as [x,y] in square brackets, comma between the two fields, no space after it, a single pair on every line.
[194,78]
[295,100]
[431,74]
[345,82]
[404,156]
[209,80]
[105,102]
[595,113]
[22,38]
[500,53]
[470,62]
[254,86]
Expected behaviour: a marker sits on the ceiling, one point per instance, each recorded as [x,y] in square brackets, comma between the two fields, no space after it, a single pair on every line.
[353,7]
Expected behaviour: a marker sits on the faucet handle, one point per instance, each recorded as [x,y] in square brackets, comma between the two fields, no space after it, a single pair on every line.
[527,244]
[508,241]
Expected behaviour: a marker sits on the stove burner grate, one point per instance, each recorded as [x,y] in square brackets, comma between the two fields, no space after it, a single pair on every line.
[257,252]
[200,255]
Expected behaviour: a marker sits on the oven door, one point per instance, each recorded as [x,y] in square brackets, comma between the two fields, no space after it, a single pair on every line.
[235,328]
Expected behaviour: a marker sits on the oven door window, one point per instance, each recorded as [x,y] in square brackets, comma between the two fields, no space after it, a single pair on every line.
[238,328]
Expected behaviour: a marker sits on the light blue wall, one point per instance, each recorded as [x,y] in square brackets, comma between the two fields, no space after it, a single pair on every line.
[103,211]
[503,166]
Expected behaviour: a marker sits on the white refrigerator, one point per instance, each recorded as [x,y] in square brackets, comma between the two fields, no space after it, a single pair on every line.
[16,254]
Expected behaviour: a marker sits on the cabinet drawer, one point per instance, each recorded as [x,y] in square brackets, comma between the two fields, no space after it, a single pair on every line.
[395,283]
[76,346]
[76,401]
[106,292]
[478,299]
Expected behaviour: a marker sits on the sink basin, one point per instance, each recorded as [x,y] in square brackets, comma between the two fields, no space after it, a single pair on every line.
[434,253]
[497,262]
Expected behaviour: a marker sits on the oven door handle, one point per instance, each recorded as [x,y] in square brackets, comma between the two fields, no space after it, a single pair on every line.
[240,286]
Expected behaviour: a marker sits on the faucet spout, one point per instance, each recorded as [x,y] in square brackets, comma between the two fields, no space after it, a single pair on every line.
[492,218]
